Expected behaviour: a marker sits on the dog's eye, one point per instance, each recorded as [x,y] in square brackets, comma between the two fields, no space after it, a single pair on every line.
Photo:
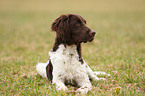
[85,21]
[77,24]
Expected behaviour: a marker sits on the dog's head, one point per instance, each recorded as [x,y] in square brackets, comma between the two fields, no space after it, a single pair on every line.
[71,28]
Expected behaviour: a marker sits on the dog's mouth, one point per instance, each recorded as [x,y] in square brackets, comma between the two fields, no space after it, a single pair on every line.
[91,39]
[85,41]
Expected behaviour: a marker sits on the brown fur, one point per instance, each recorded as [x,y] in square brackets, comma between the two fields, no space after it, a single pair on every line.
[70,29]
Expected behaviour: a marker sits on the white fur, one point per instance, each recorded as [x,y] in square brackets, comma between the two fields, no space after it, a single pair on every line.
[67,67]
[41,69]
[101,73]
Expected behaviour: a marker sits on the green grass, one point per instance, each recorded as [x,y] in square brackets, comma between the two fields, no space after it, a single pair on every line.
[118,48]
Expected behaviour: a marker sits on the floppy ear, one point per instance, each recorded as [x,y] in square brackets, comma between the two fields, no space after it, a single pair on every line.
[61,26]
[55,24]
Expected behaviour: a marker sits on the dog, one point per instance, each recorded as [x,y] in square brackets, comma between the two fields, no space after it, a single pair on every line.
[66,65]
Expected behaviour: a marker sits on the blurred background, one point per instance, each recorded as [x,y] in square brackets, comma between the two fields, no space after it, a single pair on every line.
[25,24]
[71,5]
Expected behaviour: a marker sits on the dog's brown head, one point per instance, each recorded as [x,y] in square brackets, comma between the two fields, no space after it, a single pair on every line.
[72,29]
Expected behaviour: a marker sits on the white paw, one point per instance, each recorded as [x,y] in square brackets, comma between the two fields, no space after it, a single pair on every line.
[96,79]
[64,88]
[82,90]
[101,73]
[101,79]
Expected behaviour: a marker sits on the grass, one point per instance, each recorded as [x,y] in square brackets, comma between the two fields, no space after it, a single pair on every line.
[118,48]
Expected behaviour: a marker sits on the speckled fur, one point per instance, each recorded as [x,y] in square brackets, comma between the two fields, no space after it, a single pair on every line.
[68,69]
[66,64]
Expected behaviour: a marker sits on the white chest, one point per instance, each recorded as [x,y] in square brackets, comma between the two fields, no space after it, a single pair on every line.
[65,56]
[66,62]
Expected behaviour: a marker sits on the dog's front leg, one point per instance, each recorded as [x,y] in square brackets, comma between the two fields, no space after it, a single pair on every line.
[59,85]
[84,88]
[58,80]
[84,84]
[91,74]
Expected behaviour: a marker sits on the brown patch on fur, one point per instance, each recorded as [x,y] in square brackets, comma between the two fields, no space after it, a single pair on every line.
[49,69]
[70,29]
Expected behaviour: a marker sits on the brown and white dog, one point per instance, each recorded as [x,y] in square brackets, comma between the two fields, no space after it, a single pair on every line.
[66,65]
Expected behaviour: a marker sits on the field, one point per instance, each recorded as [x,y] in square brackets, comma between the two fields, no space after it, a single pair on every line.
[118,48]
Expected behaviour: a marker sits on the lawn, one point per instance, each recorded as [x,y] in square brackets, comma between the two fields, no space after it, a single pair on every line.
[118,48]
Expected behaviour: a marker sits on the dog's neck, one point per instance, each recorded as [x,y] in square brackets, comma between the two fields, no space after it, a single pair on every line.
[77,47]
[59,41]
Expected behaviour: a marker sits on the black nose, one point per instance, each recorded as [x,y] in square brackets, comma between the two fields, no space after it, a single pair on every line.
[92,33]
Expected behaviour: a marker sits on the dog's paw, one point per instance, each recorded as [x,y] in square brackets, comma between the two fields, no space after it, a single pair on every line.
[82,90]
[101,79]
[63,88]
[96,78]
[101,73]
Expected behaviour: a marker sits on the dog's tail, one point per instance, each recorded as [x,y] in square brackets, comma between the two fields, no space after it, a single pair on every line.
[41,69]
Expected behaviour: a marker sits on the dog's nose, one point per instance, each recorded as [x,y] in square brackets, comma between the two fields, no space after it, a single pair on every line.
[92,33]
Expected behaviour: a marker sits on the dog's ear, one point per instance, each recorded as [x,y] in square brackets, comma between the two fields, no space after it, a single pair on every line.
[55,24]
[61,26]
